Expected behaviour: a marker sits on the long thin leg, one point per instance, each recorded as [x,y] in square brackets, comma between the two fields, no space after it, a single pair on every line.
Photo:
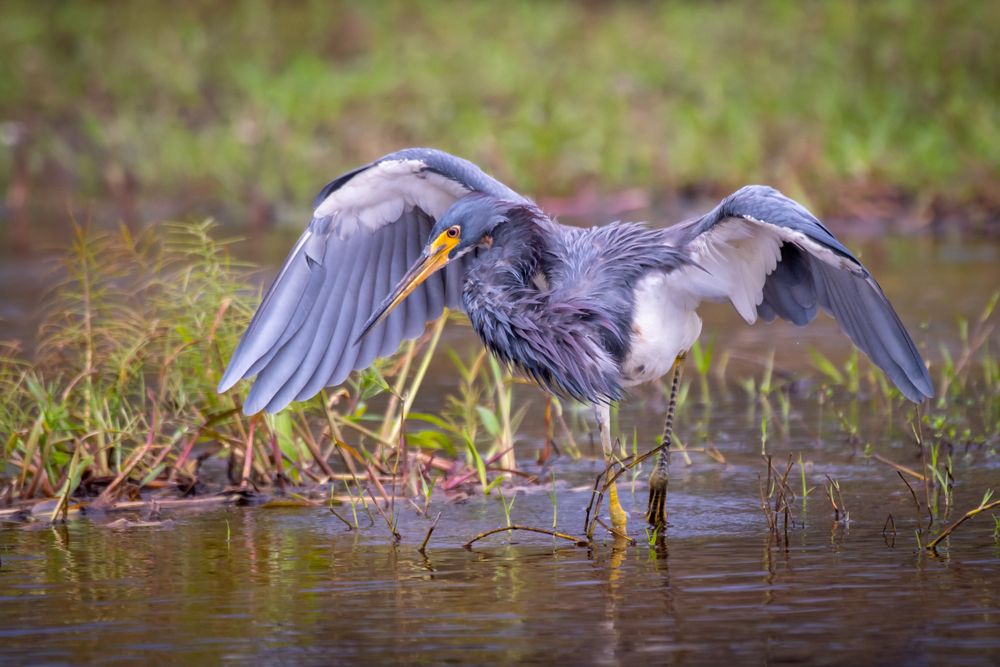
[618,515]
[656,513]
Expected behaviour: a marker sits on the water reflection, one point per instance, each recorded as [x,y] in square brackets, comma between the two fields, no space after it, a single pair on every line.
[295,586]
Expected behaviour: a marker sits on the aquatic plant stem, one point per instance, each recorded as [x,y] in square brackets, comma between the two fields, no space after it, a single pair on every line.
[919,432]
[948,531]
[105,499]
[396,536]
[430,530]
[579,542]
[388,422]
[916,503]
[898,467]
[615,532]
[411,393]
[346,522]
[248,457]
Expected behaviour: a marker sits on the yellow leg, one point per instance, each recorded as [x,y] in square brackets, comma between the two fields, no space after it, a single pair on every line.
[618,515]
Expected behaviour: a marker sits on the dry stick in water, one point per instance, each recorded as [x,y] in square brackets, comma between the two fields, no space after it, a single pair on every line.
[579,542]
[395,535]
[948,531]
[898,467]
[429,531]
[889,520]
[916,503]
[919,432]
[836,485]
[313,448]
[349,526]
[836,510]
[248,457]
[589,526]
[279,464]
[763,505]
[616,533]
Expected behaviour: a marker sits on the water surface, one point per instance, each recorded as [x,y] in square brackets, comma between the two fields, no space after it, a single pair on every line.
[249,585]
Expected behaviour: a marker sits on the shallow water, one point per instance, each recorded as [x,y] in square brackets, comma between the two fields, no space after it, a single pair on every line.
[238,585]
[294,586]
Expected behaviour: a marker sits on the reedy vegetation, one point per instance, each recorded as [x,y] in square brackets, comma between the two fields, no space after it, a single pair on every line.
[121,389]
[829,101]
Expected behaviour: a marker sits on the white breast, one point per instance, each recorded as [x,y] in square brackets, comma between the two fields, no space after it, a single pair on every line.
[665,325]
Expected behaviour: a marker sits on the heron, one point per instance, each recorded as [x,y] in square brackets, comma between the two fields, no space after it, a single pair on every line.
[584,313]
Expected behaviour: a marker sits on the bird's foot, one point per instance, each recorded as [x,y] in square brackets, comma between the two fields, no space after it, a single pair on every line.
[618,515]
[656,513]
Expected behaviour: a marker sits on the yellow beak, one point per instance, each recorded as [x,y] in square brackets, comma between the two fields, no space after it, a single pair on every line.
[433,258]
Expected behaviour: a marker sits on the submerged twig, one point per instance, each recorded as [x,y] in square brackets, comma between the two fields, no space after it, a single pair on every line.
[950,529]
[763,504]
[579,542]
[898,467]
[429,531]
[615,532]
[349,526]
[919,432]
[920,518]
[395,535]
[889,520]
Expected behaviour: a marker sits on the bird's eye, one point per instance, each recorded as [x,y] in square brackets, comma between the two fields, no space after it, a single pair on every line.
[453,232]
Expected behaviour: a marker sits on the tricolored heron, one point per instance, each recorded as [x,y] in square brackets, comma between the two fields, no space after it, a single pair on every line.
[585,313]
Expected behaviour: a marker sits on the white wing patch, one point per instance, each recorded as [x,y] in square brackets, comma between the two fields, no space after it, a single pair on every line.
[379,195]
[736,257]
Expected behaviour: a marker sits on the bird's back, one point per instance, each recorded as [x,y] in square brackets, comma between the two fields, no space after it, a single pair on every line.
[558,302]
[602,266]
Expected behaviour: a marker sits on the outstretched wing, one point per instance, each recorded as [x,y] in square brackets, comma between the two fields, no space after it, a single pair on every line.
[770,257]
[368,227]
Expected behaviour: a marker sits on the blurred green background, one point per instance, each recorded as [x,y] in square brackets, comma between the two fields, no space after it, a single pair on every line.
[245,109]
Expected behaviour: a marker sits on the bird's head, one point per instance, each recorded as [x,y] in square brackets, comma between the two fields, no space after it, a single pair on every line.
[466,225]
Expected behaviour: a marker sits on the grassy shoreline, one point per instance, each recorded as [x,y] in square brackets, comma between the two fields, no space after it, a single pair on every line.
[847,106]
[118,401]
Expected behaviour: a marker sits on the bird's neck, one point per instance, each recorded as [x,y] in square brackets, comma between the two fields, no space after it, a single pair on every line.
[521,322]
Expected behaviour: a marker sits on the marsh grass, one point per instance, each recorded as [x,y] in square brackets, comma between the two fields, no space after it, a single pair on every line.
[844,105]
[118,398]
[120,395]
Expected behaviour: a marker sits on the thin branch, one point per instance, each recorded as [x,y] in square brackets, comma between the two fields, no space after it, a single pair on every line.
[395,535]
[920,518]
[429,531]
[616,533]
[948,531]
[898,467]
[349,526]
[579,542]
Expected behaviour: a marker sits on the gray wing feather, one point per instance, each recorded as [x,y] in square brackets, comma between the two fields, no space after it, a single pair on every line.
[324,350]
[416,303]
[350,257]
[285,372]
[369,347]
[788,291]
[338,317]
[365,300]
[393,325]
[286,307]
[815,270]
